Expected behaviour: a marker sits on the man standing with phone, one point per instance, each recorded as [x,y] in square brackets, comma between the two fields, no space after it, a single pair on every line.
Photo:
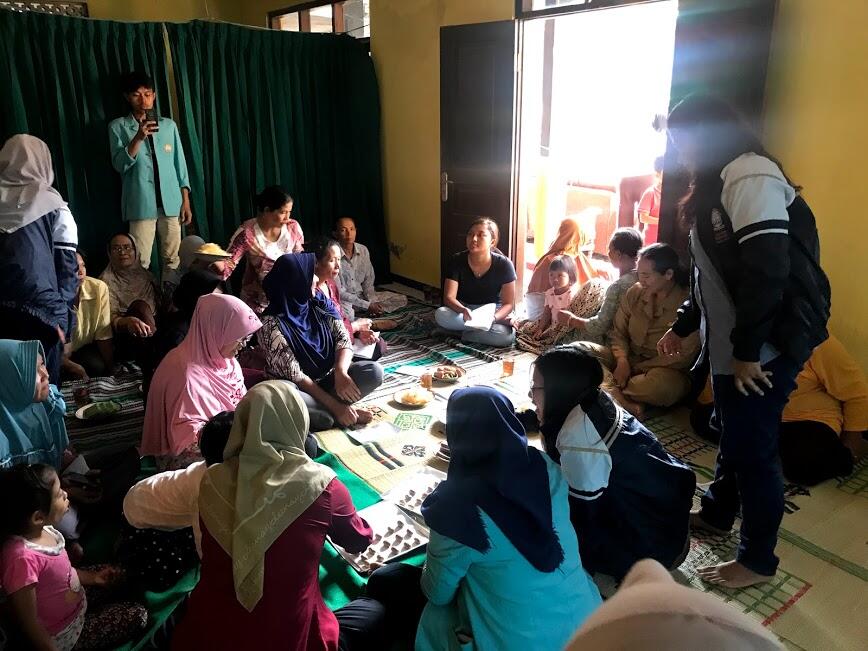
[146,150]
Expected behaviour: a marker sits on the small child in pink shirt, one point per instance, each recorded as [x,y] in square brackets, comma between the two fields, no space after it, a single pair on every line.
[43,589]
[563,277]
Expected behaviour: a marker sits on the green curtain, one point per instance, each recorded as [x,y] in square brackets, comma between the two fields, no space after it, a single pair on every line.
[60,81]
[257,107]
[266,107]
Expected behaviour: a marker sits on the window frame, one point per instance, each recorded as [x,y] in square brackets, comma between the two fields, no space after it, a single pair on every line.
[52,7]
[303,11]
[523,10]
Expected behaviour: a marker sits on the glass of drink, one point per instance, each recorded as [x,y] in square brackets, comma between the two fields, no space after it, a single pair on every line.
[427,381]
[508,367]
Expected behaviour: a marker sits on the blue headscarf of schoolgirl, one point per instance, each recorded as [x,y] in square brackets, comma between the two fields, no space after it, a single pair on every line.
[491,468]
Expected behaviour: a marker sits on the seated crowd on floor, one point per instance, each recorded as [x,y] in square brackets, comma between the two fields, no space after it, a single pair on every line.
[235,387]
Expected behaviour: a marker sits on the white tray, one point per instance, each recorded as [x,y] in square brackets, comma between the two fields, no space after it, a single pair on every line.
[412,491]
[383,517]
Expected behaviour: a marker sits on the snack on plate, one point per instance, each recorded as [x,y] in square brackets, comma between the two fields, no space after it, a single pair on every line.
[211,249]
[99,410]
[449,373]
[415,397]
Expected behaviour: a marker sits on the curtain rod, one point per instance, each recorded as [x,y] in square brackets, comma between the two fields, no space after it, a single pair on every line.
[210,19]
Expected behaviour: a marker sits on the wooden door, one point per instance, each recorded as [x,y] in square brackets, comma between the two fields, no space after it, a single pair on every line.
[721,47]
[477,126]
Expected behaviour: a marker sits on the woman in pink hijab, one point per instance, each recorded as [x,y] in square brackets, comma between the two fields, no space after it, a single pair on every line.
[197,380]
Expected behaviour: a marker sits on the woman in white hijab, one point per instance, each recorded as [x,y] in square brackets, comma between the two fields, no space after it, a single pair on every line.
[38,236]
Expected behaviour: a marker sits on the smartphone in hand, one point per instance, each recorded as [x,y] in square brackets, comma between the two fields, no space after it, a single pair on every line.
[151,116]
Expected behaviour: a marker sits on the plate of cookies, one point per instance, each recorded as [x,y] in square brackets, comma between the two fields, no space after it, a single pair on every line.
[449,374]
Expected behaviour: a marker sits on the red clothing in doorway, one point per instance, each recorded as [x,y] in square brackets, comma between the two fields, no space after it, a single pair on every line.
[649,213]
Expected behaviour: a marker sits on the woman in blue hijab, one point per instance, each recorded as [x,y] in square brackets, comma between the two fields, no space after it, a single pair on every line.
[31,410]
[304,340]
[503,569]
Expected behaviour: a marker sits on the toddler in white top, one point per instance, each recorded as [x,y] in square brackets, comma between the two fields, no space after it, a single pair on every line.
[563,278]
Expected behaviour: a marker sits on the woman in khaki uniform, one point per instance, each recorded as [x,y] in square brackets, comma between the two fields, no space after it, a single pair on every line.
[639,375]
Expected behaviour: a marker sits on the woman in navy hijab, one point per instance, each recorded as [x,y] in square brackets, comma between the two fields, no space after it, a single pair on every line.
[304,340]
[503,568]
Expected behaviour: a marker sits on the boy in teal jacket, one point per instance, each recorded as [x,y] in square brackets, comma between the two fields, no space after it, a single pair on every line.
[156,197]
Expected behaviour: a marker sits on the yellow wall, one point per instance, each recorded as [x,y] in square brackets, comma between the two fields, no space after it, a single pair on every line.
[250,12]
[150,10]
[816,123]
[405,43]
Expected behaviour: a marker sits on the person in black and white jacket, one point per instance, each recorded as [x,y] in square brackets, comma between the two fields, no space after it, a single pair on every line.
[629,498]
[761,303]
[38,238]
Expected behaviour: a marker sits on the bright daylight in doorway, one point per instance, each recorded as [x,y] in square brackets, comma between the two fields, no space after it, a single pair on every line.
[592,84]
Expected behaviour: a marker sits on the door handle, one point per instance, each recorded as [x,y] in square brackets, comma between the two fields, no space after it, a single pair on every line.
[444,186]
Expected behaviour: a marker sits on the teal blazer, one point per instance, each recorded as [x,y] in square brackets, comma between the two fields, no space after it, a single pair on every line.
[139,197]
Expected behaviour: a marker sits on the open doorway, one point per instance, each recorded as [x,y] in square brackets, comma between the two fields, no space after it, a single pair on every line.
[592,84]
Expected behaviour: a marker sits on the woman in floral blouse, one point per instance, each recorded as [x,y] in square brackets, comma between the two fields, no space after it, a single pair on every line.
[263,239]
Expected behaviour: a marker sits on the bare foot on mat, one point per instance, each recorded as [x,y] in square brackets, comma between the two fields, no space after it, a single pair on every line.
[698,524]
[635,408]
[731,574]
